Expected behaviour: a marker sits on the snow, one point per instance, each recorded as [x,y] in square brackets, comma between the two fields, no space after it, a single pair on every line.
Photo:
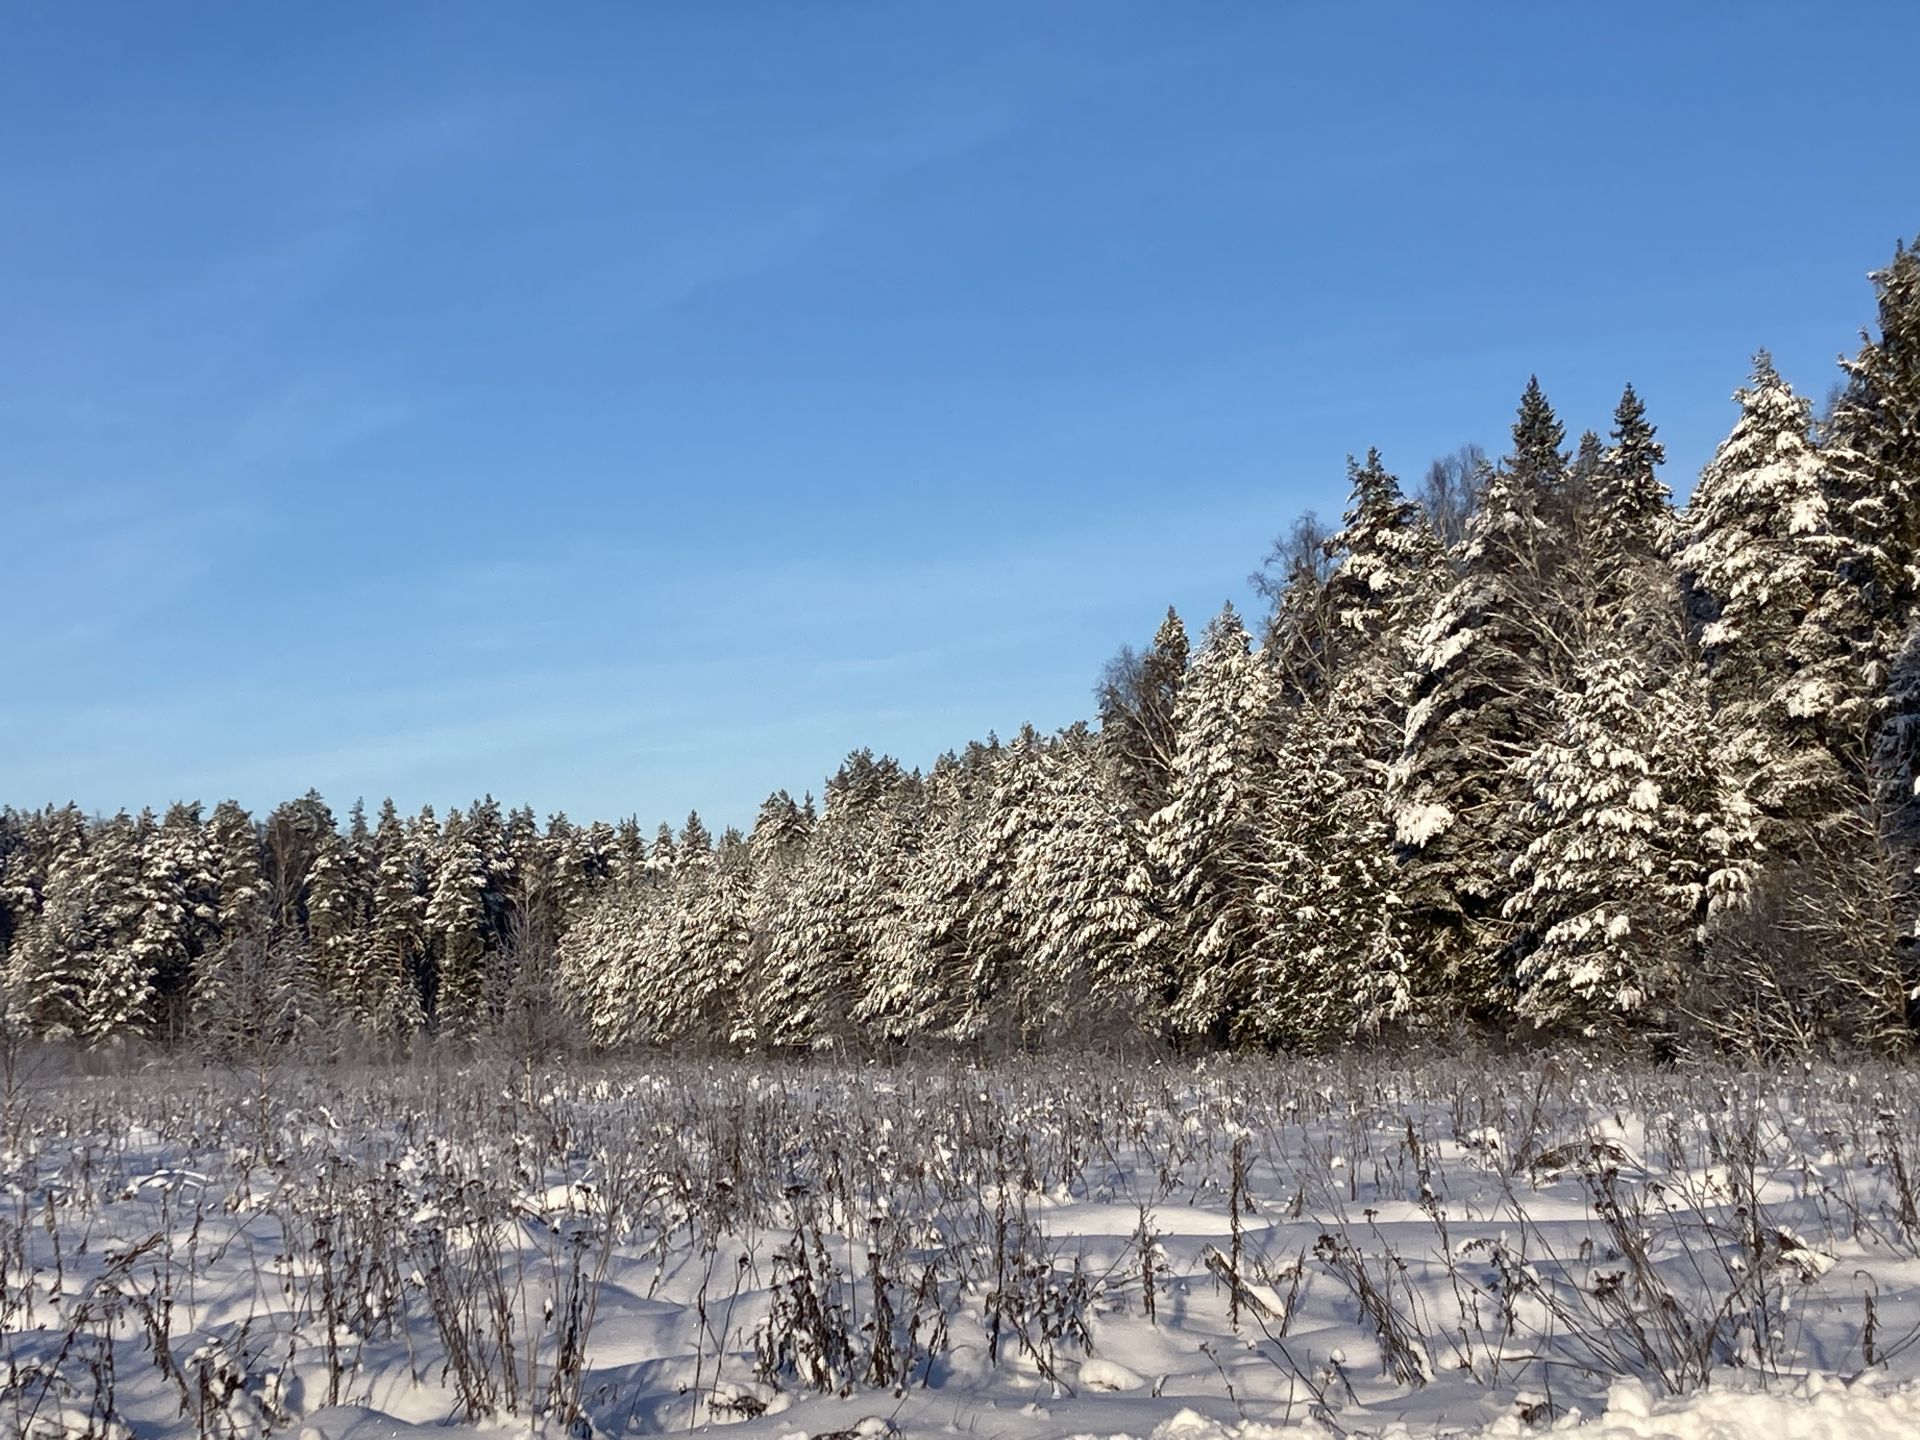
[1814,1410]
[1417,824]
[1066,1248]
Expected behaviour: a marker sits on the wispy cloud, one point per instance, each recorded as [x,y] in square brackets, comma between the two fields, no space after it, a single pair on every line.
[311,418]
[89,564]
[808,193]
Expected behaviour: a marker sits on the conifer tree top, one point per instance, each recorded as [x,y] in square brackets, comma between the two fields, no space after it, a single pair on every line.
[1629,491]
[1537,437]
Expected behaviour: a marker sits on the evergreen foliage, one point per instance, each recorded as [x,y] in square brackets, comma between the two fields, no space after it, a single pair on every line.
[1529,750]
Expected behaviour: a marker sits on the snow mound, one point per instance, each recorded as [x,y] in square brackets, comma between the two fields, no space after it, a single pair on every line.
[1107,1375]
[1814,1409]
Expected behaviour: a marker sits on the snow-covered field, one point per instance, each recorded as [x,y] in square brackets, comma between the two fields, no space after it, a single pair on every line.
[1049,1248]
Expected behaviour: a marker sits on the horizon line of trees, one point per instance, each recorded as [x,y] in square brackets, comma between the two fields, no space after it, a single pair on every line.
[1534,751]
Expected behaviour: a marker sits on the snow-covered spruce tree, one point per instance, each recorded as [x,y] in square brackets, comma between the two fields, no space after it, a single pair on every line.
[687,955]
[179,916]
[1204,846]
[1334,959]
[695,846]
[1385,560]
[1634,509]
[815,969]
[712,904]
[571,863]
[1086,905]
[240,891]
[628,859]
[588,867]
[523,877]
[457,930]
[18,898]
[339,902]
[1895,818]
[120,981]
[1872,450]
[990,988]
[1497,649]
[1387,572]
[777,848]
[49,964]
[1037,877]
[43,834]
[492,839]
[597,966]
[920,985]
[891,914]
[1637,832]
[1331,958]
[395,934]
[780,829]
[1756,556]
[1639,839]
[844,910]
[663,857]
[892,919]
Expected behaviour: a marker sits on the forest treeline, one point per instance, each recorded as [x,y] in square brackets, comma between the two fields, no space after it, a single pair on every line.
[1531,750]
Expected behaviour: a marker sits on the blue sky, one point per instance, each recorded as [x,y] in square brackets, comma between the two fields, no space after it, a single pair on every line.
[628,408]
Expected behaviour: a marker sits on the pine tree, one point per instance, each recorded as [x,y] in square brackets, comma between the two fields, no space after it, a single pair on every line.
[293,835]
[1137,698]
